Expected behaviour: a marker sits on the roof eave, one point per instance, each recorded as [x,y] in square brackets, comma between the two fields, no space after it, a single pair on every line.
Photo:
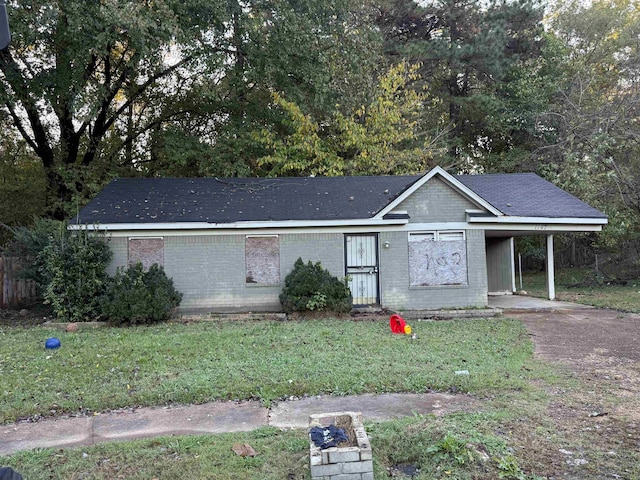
[509,219]
[240,225]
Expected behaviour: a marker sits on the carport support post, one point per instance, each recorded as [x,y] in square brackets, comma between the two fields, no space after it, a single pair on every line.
[551,286]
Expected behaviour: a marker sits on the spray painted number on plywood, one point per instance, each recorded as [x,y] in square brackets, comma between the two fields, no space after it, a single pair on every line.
[437,263]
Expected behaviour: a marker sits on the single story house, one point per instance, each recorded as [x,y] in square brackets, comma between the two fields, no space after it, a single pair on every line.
[406,242]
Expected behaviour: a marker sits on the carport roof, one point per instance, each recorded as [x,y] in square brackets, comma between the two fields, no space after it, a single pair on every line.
[528,195]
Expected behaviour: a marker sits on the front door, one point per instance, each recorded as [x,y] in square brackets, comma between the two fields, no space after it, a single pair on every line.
[361,253]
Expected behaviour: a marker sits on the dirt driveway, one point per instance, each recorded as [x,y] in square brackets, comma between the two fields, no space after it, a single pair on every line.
[591,427]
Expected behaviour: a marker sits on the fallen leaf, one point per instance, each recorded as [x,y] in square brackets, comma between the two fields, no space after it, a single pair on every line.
[244,450]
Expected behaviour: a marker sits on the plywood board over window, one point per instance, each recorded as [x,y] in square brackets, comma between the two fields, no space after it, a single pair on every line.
[262,259]
[438,258]
[147,251]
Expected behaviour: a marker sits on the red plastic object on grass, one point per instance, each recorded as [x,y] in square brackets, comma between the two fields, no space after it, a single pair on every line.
[397,324]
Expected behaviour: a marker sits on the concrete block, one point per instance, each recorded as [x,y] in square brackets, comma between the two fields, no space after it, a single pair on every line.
[345,454]
[325,470]
[347,476]
[358,467]
[366,454]
[367,476]
[316,458]
[325,456]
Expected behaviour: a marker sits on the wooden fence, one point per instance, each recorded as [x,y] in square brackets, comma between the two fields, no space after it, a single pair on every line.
[14,291]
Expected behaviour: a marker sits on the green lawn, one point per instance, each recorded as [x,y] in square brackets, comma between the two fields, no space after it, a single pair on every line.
[177,363]
[511,436]
[282,454]
[570,287]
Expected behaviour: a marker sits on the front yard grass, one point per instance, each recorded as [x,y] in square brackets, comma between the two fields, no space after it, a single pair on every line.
[111,368]
[531,413]
[571,287]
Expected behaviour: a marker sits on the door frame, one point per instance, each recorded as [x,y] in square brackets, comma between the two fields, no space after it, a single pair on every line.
[376,267]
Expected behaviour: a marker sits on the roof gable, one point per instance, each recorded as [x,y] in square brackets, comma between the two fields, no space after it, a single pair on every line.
[449,179]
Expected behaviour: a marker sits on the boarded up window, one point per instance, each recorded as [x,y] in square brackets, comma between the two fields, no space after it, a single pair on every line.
[262,259]
[437,259]
[147,251]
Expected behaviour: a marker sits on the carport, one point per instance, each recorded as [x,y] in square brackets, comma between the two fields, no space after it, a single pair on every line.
[527,205]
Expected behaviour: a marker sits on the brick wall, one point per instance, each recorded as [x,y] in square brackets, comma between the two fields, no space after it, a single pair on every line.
[394,277]
[210,269]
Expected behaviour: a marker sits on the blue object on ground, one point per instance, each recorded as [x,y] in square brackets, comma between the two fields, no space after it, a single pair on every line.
[52,343]
[8,473]
[327,437]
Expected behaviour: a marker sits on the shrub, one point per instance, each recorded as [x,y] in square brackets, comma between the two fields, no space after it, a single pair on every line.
[72,269]
[311,287]
[134,296]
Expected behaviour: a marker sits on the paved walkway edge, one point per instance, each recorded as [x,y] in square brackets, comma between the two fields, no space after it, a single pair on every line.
[217,417]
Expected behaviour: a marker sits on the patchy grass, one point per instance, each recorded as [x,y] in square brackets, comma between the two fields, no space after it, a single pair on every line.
[570,287]
[194,457]
[513,437]
[459,446]
[532,414]
[176,363]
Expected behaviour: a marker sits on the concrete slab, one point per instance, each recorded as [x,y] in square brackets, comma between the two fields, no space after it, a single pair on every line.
[524,302]
[377,408]
[215,417]
[63,432]
[182,420]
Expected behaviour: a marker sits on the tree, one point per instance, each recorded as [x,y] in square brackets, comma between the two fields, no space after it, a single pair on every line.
[590,141]
[108,88]
[381,137]
[471,53]
[84,82]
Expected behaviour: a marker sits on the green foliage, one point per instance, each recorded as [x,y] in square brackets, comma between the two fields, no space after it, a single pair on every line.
[22,185]
[450,448]
[111,78]
[29,243]
[590,130]
[509,468]
[470,53]
[300,153]
[135,296]
[382,136]
[73,267]
[311,287]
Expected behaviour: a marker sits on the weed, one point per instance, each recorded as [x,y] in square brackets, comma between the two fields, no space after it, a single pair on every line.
[509,469]
[451,448]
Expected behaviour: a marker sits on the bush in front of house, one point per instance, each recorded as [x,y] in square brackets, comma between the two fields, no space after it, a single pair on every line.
[309,286]
[135,296]
[72,271]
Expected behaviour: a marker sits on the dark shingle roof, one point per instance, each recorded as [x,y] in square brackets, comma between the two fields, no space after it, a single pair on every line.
[160,200]
[527,195]
[169,200]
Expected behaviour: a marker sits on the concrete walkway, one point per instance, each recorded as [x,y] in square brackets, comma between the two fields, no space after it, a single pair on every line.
[217,417]
[508,303]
